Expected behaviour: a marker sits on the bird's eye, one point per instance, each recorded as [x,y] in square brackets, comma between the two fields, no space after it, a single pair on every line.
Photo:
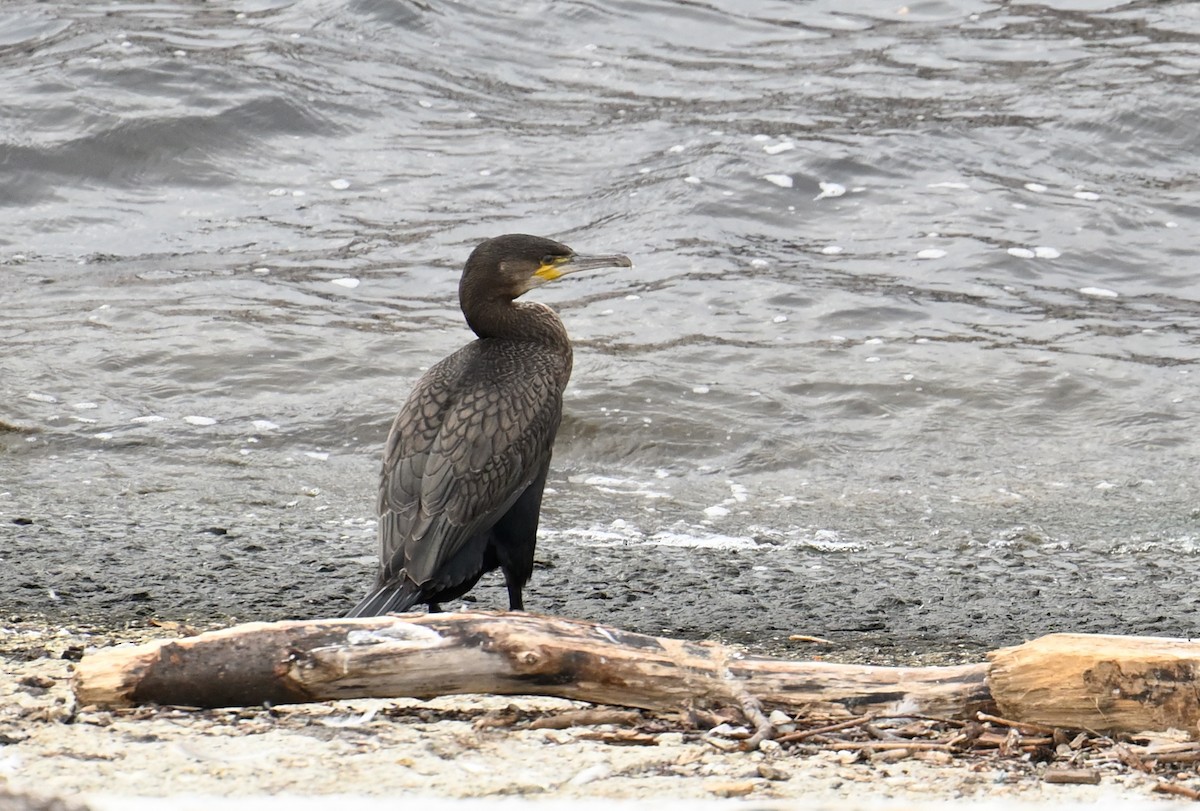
[550,259]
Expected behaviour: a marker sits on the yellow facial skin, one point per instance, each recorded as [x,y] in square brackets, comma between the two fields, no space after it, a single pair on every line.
[548,271]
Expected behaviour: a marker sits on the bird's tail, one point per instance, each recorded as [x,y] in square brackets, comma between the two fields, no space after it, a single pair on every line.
[387,598]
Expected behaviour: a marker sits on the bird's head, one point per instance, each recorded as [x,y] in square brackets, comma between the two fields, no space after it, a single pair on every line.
[513,264]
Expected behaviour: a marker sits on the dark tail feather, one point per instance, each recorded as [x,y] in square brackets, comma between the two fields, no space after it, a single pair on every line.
[388,598]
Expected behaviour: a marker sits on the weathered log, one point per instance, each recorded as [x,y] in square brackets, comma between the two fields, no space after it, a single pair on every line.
[423,656]
[1072,681]
[1099,682]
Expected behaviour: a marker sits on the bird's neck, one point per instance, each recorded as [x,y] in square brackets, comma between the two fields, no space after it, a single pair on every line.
[518,321]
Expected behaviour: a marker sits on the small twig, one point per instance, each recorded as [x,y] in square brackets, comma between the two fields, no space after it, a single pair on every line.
[1078,777]
[992,739]
[586,718]
[1023,726]
[879,746]
[937,719]
[1177,790]
[1178,757]
[1130,758]
[816,640]
[804,734]
[880,734]
[763,728]
[751,708]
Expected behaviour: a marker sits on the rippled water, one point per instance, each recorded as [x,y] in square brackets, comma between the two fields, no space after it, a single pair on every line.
[909,352]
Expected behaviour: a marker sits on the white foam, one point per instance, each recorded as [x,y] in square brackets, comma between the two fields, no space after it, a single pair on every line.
[147,418]
[691,179]
[759,263]
[827,540]
[42,398]
[931,253]
[1086,195]
[1043,252]
[716,511]
[830,190]
[782,181]
[678,539]
[193,419]
[830,250]
[318,455]
[85,406]
[948,185]
[1021,253]
[775,149]
[341,184]
[700,389]
[1035,187]
[265,425]
[346,281]
[1099,292]
[779,319]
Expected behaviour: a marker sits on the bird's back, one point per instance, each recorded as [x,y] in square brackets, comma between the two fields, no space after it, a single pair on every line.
[474,433]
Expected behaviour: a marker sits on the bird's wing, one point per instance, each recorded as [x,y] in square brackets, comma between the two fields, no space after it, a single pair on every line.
[458,456]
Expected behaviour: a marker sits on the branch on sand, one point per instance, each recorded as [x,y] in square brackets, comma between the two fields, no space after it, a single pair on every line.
[1074,681]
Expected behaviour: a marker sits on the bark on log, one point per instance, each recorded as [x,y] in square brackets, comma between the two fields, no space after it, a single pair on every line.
[422,656]
[1102,683]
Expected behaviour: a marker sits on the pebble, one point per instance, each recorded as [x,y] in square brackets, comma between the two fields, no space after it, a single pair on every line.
[769,771]
[731,788]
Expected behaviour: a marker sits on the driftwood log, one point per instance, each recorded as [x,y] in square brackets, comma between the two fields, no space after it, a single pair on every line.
[1069,680]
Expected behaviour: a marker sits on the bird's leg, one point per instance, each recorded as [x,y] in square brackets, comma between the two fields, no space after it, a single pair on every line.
[435,608]
[515,603]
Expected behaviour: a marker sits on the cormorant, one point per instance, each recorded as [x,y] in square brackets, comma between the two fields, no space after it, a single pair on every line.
[466,459]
